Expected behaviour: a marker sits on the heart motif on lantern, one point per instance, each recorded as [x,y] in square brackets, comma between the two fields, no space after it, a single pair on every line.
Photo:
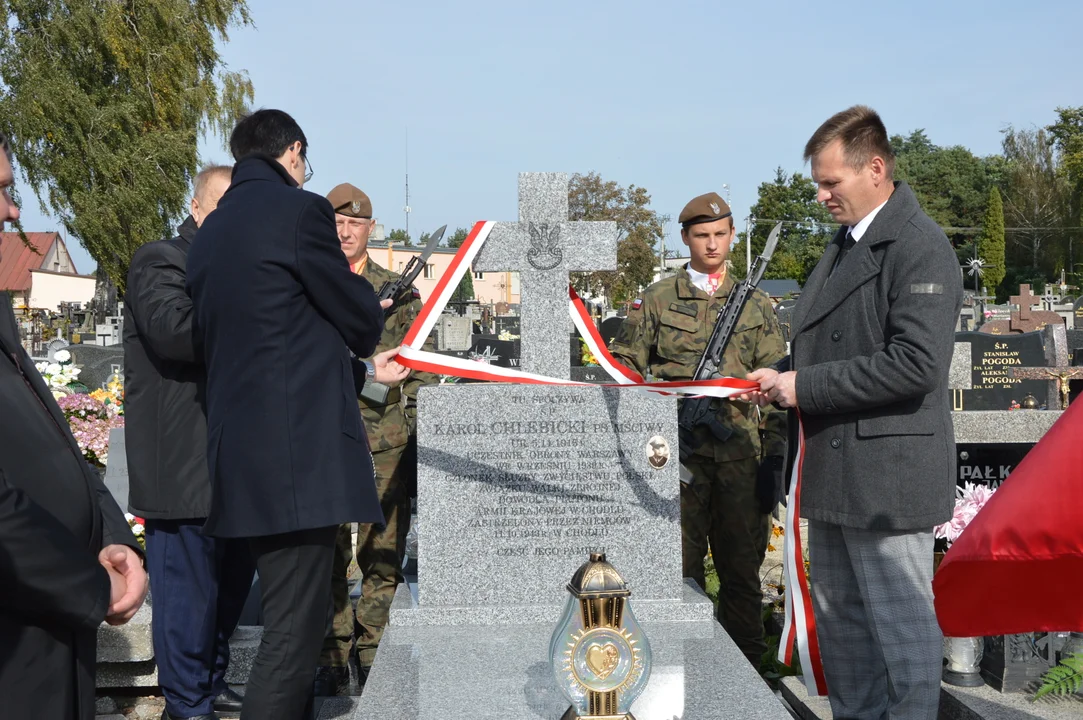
[602,659]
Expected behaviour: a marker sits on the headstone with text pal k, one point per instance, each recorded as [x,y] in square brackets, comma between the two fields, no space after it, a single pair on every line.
[517,485]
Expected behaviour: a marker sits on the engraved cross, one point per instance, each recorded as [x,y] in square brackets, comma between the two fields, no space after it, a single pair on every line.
[543,247]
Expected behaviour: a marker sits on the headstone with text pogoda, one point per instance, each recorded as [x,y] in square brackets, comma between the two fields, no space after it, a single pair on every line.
[993,357]
[517,485]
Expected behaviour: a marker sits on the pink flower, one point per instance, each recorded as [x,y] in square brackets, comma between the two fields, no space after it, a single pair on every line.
[971,499]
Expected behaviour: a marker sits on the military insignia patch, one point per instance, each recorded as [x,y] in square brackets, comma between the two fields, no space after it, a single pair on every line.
[636,305]
[715,209]
[356,206]
[416,293]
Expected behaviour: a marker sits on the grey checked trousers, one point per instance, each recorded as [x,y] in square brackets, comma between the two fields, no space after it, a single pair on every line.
[881,646]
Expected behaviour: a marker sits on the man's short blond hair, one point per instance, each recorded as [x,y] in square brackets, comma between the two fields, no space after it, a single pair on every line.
[863,137]
[199,186]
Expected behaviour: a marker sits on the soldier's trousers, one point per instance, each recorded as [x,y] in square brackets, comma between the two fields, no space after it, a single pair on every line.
[719,506]
[380,551]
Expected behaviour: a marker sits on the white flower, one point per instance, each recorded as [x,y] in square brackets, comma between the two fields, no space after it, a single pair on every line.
[74,371]
[62,356]
[53,369]
[58,381]
[137,529]
[41,367]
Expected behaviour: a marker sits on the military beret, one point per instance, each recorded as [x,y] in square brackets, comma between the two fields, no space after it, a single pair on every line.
[348,200]
[704,209]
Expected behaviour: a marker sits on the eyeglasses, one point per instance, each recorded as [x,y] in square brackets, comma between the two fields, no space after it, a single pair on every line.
[309,172]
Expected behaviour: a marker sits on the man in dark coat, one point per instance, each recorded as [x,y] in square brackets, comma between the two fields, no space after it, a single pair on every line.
[199,583]
[872,343]
[278,311]
[68,559]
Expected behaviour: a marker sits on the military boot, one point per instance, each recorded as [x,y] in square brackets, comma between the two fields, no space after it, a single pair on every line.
[331,681]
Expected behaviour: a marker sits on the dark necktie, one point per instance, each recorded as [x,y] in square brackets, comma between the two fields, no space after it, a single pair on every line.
[847,245]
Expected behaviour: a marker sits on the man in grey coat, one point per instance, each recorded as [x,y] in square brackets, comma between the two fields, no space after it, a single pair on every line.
[873,339]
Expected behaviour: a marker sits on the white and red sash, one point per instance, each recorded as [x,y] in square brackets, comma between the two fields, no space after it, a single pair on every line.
[800,624]
[412,356]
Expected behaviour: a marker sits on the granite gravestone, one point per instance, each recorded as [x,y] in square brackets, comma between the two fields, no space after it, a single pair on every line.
[992,358]
[544,247]
[517,484]
[97,362]
[609,329]
[116,470]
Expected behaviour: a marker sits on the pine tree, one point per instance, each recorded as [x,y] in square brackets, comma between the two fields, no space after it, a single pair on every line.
[991,242]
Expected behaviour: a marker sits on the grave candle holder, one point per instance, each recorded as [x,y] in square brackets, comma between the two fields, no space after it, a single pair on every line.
[598,653]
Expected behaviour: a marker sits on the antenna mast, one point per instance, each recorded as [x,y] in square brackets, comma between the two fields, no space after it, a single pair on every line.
[407,208]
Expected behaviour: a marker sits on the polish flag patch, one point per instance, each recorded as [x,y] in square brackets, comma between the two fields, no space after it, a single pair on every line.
[637,303]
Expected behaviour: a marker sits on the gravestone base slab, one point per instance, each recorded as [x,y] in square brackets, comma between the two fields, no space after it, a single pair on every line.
[144,674]
[405,611]
[956,703]
[501,672]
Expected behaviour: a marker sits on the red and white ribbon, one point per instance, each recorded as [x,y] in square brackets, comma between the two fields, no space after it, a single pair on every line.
[800,624]
[412,356]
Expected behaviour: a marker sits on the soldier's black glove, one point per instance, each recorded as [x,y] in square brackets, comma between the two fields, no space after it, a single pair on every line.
[769,483]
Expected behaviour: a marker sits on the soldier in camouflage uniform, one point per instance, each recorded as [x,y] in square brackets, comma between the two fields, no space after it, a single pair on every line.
[734,484]
[389,415]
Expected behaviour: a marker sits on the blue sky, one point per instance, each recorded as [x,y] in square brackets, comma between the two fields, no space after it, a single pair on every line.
[677,97]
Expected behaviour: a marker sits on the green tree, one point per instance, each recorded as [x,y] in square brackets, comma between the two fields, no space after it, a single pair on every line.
[399,237]
[641,230]
[809,227]
[457,238]
[105,102]
[1036,201]
[991,242]
[465,290]
[951,183]
[1067,137]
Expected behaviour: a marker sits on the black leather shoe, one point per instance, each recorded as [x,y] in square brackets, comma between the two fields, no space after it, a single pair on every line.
[167,716]
[229,701]
[331,681]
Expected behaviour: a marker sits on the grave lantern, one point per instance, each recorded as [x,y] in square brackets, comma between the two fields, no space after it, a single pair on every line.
[598,653]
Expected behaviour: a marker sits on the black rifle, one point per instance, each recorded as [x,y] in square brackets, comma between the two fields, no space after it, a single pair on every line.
[394,289]
[702,411]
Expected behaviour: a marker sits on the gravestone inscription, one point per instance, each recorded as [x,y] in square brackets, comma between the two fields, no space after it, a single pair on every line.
[993,356]
[535,483]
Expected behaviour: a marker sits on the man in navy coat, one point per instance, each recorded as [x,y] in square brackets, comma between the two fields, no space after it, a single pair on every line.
[278,312]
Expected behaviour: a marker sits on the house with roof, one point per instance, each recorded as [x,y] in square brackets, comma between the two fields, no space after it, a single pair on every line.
[40,275]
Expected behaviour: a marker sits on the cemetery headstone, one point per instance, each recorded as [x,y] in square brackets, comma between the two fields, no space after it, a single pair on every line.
[544,247]
[494,351]
[98,362]
[54,346]
[116,470]
[517,485]
[609,329]
[454,332]
[992,357]
[1024,318]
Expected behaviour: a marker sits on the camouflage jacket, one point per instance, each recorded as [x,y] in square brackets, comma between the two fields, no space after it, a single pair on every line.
[664,336]
[390,425]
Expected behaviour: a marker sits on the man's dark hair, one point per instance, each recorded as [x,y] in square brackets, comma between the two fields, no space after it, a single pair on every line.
[4,146]
[266,132]
[863,137]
